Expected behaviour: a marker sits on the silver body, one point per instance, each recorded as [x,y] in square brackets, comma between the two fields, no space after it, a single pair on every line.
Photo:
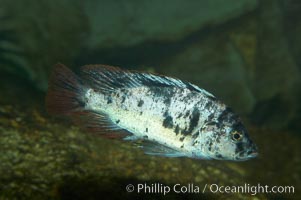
[171,117]
[142,112]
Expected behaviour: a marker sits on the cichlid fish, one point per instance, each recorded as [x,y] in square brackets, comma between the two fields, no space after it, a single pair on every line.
[171,117]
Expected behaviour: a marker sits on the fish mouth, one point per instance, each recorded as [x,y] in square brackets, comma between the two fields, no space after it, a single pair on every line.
[252,154]
[249,155]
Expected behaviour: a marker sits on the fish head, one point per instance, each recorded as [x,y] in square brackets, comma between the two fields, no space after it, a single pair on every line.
[227,140]
[236,143]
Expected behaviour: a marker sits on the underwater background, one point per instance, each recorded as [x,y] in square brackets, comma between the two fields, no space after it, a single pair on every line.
[246,52]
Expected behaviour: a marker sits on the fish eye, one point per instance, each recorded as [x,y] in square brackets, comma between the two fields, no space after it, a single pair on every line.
[236,136]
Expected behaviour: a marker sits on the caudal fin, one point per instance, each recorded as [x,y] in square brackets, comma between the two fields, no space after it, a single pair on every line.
[64,91]
[64,97]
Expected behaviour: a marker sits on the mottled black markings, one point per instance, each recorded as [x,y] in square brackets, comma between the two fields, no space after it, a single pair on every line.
[141,113]
[208,105]
[124,94]
[218,137]
[182,146]
[182,138]
[109,100]
[194,119]
[117,121]
[167,101]
[217,155]
[239,148]
[165,114]
[140,103]
[159,91]
[187,114]
[210,117]
[177,129]
[145,137]
[210,145]
[195,135]
[187,98]
[180,115]
[168,122]
[224,116]
[146,130]
[122,98]
[165,93]
[185,131]
[238,126]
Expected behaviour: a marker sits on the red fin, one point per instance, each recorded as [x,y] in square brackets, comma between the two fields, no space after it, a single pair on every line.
[98,123]
[64,90]
[64,98]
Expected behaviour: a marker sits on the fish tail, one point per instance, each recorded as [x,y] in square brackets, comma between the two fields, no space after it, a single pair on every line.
[65,98]
[65,89]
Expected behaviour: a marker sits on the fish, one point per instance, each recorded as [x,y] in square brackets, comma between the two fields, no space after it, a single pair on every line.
[163,116]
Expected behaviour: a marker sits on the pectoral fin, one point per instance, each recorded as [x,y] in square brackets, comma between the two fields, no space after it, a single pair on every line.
[155,149]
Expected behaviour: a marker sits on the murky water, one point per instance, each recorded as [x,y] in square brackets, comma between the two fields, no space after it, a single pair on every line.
[45,157]
[245,52]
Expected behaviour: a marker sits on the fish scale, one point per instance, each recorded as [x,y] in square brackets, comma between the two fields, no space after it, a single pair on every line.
[150,114]
[168,116]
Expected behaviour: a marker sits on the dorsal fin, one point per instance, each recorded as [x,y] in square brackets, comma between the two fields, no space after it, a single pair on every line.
[108,78]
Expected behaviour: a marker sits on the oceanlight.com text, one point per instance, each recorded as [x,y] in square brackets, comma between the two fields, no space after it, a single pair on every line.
[159,188]
[251,189]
